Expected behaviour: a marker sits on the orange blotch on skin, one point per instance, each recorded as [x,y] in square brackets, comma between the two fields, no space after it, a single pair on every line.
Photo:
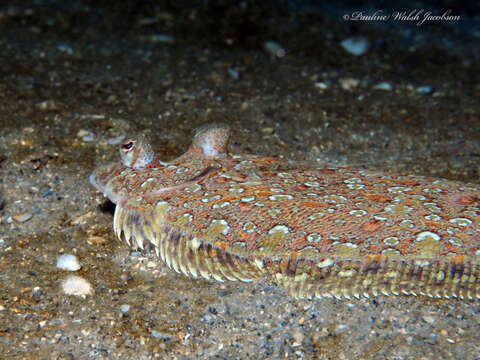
[432,225]
[466,200]
[409,202]
[452,248]
[245,206]
[264,193]
[199,224]
[375,257]
[266,160]
[221,245]
[298,243]
[221,180]
[407,182]
[460,259]
[213,174]
[227,198]
[372,225]
[327,171]
[313,204]
[377,197]
[406,247]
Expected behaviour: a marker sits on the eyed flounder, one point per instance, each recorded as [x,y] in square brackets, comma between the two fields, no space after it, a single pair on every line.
[325,231]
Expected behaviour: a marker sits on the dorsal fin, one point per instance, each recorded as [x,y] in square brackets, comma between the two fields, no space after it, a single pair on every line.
[210,141]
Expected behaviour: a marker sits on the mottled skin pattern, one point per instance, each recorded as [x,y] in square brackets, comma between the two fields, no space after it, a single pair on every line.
[316,231]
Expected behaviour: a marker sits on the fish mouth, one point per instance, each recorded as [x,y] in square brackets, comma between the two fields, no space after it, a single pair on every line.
[91,178]
[96,185]
[99,179]
[101,176]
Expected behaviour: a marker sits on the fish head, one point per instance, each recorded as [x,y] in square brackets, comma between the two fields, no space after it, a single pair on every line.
[140,175]
[115,179]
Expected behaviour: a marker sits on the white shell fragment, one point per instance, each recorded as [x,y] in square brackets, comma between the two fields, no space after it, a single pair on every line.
[425,89]
[274,49]
[76,285]
[162,38]
[385,86]
[356,45]
[68,262]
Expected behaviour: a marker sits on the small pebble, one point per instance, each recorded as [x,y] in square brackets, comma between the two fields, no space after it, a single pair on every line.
[383,86]
[297,337]
[158,335]
[162,38]
[65,48]
[116,140]
[47,192]
[111,99]
[22,217]
[267,130]
[274,49]
[426,89]
[68,262]
[88,138]
[96,240]
[234,73]
[124,308]
[348,83]
[82,132]
[321,85]
[339,329]
[47,105]
[76,285]
[356,45]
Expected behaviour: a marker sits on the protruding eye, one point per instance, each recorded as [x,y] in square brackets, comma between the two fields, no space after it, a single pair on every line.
[136,152]
[127,146]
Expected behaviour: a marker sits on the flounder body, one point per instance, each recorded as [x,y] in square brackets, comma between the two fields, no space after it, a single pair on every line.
[336,232]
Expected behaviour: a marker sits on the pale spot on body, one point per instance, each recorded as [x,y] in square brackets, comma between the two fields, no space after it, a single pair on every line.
[280,197]
[333,199]
[461,221]
[314,238]
[325,263]
[408,224]
[358,213]
[279,229]
[249,227]
[432,207]
[211,198]
[391,252]
[146,182]
[236,190]
[456,241]
[193,188]
[221,205]
[428,235]
[428,245]
[391,241]
[218,227]
[353,180]
[347,250]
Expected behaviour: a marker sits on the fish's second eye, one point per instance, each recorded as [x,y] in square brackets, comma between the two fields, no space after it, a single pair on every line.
[128,145]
